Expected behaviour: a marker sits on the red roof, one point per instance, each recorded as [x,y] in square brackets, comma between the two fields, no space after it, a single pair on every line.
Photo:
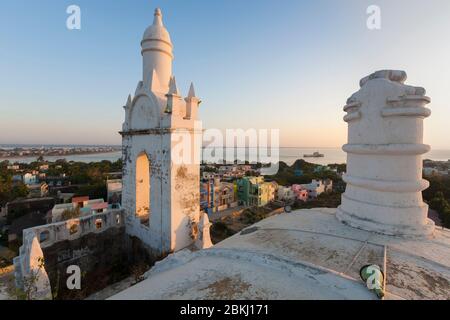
[80,199]
[99,206]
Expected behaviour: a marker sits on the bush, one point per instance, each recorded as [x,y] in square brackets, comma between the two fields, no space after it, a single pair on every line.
[445,217]
[94,191]
[442,206]
[220,231]
[254,215]
[70,214]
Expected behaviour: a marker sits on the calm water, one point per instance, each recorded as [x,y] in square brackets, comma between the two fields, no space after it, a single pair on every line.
[288,155]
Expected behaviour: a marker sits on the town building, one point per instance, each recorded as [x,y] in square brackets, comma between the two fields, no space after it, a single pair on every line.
[114,191]
[43,167]
[224,169]
[254,191]
[286,194]
[83,204]
[64,197]
[317,187]
[57,181]
[216,195]
[30,178]
[300,192]
[229,172]
[207,175]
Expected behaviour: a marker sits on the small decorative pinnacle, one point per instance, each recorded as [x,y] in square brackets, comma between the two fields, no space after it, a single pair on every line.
[173,86]
[191,93]
[128,104]
[155,85]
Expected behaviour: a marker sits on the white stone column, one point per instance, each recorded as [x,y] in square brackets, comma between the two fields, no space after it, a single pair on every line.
[384,157]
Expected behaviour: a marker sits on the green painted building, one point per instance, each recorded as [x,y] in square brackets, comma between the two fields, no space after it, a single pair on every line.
[254,191]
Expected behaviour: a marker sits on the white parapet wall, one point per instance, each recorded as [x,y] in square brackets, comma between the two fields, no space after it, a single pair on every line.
[384,157]
[30,264]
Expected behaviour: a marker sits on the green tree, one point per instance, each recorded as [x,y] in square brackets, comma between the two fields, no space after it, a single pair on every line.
[94,191]
[442,206]
[70,214]
[19,190]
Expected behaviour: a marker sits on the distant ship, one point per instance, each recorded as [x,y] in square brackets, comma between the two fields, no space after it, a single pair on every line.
[314,155]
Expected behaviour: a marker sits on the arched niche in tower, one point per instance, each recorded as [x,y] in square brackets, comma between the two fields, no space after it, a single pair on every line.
[143,188]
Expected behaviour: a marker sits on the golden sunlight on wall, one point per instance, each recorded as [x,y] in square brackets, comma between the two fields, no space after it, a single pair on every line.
[143,188]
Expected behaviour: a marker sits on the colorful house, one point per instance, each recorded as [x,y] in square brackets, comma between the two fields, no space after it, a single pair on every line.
[84,204]
[285,194]
[317,187]
[254,191]
[301,194]
[216,195]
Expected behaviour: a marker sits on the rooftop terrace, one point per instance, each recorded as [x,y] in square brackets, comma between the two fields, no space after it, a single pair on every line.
[306,254]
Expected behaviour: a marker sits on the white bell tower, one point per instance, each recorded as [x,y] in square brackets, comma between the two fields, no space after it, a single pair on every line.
[161,141]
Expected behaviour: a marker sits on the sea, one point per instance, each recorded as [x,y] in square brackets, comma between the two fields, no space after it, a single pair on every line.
[286,154]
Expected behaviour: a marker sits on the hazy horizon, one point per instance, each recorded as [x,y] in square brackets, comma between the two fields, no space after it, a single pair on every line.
[119,145]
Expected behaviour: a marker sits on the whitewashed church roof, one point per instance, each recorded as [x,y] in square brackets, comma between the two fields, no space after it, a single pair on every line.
[306,254]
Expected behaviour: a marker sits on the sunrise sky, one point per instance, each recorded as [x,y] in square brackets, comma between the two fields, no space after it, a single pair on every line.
[286,64]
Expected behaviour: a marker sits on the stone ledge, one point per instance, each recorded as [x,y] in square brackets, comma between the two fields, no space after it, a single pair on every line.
[387,149]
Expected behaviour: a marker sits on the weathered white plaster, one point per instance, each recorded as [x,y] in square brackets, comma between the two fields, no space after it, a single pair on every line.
[305,254]
[384,163]
[30,274]
[204,237]
[161,125]
[31,258]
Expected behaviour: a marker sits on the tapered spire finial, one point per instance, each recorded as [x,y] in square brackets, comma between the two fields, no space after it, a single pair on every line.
[157,21]
[173,89]
[191,93]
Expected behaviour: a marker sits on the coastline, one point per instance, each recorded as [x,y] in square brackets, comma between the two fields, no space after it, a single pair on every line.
[62,155]
[286,154]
